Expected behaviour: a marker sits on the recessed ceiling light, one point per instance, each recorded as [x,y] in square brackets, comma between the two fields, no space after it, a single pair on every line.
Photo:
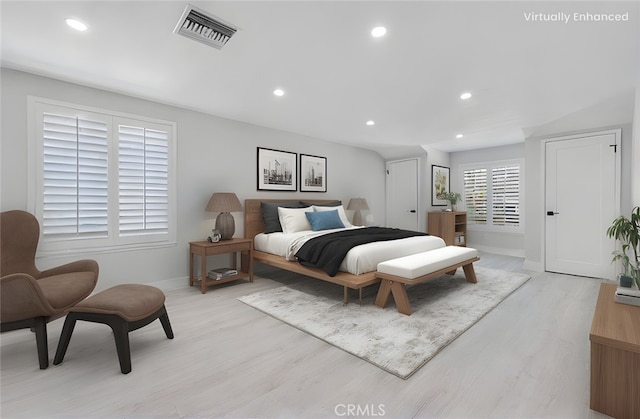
[278,92]
[76,24]
[459,136]
[378,31]
[370,122]
[465,96]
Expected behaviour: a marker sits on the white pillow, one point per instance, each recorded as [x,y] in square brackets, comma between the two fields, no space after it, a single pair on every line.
[294,219]
[341,213]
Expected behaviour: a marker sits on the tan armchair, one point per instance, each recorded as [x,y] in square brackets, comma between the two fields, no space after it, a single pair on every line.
[31,298]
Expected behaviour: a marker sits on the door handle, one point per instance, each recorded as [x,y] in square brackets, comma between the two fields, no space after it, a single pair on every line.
[551,213]
[412,211]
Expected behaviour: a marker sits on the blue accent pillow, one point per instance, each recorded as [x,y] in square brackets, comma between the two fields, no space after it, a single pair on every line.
[324,220]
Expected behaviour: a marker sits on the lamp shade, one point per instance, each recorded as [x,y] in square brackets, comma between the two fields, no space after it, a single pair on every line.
[358,204]
[224,202]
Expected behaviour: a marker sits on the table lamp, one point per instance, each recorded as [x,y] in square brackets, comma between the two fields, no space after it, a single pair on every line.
[357,204]
[224,203]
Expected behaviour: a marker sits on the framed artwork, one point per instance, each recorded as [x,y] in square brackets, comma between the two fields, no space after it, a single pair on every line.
[313,173]
[439,184]
[277,170]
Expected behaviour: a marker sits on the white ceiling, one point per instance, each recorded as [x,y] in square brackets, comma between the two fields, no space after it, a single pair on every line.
[524,75]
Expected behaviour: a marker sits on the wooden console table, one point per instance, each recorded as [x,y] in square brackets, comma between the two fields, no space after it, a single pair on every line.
[615,356]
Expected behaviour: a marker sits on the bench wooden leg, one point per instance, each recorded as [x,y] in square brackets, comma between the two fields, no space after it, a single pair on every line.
[400,296]
[453,272]
[470,273]
[383,293]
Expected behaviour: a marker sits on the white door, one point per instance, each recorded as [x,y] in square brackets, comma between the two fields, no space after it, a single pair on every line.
[402,194]
[582,199]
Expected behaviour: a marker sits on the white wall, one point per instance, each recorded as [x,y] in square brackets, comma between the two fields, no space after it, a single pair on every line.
[214,154]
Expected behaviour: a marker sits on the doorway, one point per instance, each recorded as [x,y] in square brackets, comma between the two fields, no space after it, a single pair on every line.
[582,197]
[402,194]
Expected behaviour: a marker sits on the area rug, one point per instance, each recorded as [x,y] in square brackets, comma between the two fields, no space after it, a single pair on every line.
[443,308]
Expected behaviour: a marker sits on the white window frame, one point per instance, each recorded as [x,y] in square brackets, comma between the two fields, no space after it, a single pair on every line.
[490,165]
[114,241]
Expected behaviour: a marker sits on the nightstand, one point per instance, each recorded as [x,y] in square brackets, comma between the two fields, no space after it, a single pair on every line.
[204,249]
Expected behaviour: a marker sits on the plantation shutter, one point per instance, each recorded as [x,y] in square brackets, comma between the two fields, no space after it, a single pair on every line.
[475,195]
[505,197]
[143,187]
[75,177]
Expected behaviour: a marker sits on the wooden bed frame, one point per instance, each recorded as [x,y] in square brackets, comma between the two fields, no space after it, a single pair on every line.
[254,224]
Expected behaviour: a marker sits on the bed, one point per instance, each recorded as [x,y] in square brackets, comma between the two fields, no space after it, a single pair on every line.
[357,271]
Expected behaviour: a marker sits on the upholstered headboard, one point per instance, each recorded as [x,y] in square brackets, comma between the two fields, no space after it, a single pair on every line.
[253,222]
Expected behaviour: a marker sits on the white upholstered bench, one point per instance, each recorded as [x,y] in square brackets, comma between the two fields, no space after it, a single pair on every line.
[413,269]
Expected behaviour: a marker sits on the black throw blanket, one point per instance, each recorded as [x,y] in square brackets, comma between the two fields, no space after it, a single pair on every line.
[328,251]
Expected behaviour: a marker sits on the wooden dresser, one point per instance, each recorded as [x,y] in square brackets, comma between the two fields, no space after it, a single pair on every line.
[450,225]
[615,356]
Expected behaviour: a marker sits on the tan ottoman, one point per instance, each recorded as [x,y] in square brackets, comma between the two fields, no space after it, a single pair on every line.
[124,308]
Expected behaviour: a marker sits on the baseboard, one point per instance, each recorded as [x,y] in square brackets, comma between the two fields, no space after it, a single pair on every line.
[171,284]
[533,266]
[499,250]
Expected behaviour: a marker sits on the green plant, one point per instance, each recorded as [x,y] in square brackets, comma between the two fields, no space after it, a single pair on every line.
[627,231]
[626,263]
[452,197]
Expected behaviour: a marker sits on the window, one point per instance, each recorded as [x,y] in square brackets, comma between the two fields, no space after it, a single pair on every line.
[102,180]
[143,160]
[505,195]
[75,179]
[492,195]
[475,195]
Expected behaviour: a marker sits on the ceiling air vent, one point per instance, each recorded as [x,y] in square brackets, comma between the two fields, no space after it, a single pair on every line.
[199,26]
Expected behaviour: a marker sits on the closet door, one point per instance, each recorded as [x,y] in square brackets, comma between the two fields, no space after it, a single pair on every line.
[581,200]
[402,194]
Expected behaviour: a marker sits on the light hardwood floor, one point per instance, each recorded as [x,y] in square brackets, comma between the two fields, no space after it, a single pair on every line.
[529,357]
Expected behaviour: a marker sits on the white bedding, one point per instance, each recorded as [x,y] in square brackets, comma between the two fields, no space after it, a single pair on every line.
[359,260]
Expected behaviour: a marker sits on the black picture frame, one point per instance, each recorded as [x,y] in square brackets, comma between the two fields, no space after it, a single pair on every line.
[440,183]
[277,170]
[313,173]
